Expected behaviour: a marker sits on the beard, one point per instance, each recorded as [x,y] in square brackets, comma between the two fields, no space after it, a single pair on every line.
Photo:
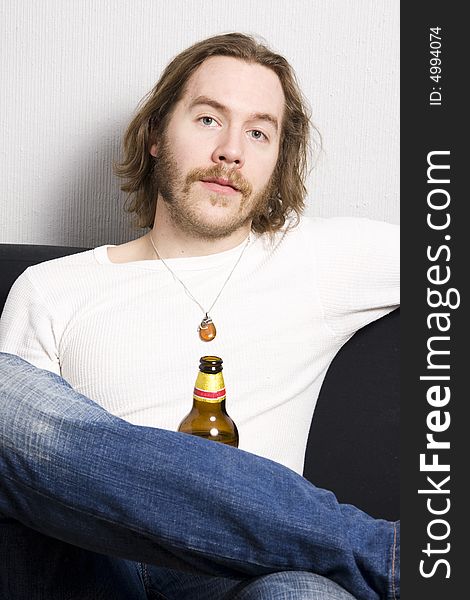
[176,190]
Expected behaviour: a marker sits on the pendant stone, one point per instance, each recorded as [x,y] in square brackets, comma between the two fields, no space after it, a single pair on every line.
[206,329]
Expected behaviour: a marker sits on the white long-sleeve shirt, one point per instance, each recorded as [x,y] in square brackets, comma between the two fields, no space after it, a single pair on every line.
[126,336]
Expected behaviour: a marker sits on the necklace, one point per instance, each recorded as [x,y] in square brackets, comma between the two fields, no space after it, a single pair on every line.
[206,328]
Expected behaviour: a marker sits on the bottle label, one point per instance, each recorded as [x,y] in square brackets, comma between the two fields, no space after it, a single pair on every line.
[212,396]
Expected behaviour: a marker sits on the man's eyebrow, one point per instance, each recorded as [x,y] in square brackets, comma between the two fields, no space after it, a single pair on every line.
[205,100]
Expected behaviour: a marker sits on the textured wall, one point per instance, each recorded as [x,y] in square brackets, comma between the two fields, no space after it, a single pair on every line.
[73,71]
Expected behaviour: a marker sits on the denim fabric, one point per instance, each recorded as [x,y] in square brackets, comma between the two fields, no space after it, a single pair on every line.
[72,471]
[290,585]
[166,584]
[36,567]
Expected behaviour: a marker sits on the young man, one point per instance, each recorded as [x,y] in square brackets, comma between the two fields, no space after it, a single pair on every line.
[215,163]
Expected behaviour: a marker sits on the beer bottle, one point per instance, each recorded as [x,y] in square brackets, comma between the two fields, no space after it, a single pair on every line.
[208,417]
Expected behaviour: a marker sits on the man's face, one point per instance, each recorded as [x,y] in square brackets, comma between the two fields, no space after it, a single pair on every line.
[215,161]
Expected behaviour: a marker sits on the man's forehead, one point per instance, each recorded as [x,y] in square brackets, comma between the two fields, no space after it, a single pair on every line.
[232,82]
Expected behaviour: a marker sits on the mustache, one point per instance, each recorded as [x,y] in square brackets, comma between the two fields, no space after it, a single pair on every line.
[220,172]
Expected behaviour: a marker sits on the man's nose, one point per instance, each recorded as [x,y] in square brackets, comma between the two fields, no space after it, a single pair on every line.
[229,150]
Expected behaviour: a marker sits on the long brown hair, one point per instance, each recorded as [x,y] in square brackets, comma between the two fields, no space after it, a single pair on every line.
[288,197]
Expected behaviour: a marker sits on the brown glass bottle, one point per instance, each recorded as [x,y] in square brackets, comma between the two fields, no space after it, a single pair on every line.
[208,417]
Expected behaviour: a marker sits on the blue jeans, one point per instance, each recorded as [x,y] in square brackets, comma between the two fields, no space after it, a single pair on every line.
[74,472]
[37,567]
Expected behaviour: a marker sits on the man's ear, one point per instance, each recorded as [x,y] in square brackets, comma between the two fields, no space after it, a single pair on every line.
[153,150]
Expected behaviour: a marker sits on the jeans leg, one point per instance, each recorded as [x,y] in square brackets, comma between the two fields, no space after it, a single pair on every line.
[286,585]
[36,567]
[73,471]
[291,585]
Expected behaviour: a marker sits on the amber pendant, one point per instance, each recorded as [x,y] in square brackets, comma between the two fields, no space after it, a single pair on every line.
[206,329]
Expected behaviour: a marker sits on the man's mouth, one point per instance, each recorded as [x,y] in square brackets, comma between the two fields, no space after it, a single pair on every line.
[219,185]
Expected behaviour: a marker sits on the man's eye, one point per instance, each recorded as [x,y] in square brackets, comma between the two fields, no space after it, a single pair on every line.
[208,121]
[258,135]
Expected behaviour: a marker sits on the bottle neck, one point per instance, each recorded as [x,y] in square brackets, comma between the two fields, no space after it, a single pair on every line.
[209,387]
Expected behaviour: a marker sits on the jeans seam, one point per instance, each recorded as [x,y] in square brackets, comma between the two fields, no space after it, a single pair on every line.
[150,592]
[144,575]
[394,546]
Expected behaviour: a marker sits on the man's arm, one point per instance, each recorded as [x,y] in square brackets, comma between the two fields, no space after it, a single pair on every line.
[358,267]
[27,326]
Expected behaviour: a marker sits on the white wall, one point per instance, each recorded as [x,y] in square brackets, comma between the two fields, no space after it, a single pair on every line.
[73,71]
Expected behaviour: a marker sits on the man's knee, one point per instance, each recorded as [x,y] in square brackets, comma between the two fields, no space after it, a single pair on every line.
[39,410]
[292,585]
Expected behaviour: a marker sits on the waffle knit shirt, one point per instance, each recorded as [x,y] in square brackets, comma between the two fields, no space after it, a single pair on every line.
[125,335]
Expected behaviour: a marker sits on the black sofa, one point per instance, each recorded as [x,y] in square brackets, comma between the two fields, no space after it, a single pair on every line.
[353,446]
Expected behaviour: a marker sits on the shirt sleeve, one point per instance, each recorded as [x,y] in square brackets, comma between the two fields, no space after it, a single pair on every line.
[26,326]
[358,270]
